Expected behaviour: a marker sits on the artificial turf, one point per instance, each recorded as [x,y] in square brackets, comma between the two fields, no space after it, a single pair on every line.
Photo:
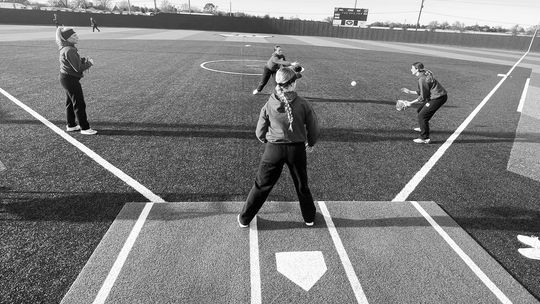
[188,135]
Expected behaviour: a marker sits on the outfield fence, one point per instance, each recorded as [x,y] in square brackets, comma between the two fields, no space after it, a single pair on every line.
[270,26]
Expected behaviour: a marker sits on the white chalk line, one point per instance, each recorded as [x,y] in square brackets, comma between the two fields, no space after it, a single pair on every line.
[255,268]
[468,261]
[523,95]
[124,252]
[419,176]
[349,269]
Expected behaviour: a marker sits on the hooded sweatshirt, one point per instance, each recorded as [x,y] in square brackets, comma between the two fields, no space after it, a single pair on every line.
[70,61]
[273,124]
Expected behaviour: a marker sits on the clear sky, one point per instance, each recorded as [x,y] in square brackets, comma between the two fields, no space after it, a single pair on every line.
[504,13]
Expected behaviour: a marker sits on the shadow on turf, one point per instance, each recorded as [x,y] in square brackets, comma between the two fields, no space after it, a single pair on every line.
[248,132]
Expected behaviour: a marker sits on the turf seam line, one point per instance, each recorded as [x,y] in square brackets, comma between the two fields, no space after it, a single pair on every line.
[419,176]
[93,155]
[344,257]
[523,95]
[122,256]
[470,263]
[255,269]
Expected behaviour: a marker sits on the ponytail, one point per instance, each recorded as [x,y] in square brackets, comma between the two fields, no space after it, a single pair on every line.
[281,95]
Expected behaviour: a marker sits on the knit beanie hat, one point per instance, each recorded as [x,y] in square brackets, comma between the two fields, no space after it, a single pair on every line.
[66,33]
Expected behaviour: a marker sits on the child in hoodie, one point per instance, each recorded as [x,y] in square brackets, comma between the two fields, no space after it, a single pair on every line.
[288,127]
[72,67]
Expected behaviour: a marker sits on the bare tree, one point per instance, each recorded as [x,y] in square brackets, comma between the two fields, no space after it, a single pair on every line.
[103,4]
[210,7]
[58,3]
[167,7]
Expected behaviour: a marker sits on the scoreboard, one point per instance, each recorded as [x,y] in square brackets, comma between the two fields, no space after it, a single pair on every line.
[350,16]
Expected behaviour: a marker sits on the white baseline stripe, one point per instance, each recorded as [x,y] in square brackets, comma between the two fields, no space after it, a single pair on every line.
[419,176]
[479,273]
[255,269]
[349,269]
[119,263]
[122,256]
[100,160]
[523,96]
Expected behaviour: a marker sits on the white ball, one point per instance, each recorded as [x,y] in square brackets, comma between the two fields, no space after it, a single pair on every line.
[353,83]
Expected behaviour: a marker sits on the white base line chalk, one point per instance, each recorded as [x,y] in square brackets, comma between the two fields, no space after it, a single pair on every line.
[468,261]
[349,269]
[255,269]
[523,96]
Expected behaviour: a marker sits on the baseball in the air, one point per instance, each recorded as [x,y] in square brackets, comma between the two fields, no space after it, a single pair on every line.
[353,83]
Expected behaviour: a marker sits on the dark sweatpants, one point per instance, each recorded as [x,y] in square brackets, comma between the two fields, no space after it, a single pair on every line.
[265,77]
[272,161]
[75,106]
[426,111]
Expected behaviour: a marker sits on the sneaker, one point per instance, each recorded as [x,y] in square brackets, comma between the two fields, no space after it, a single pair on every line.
[422,141]
[532,240]
[71,129]
[531,253]
[417,130]
[310,224]
[89,132]
[255,92]
[240,223]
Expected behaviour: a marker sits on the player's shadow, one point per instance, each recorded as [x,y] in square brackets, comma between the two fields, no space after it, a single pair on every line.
[387,101]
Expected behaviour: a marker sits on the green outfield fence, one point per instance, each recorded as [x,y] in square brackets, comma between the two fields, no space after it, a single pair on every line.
[268,26]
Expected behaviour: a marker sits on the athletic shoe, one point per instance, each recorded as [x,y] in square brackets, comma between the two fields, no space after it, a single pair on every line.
[531,253]
[89,132]
[240,223]
[310,224]
[532,240]
[422,141]
[417,130]
[255,92]
[71,129]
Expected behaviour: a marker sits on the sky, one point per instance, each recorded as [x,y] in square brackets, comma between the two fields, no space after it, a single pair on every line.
[505,13]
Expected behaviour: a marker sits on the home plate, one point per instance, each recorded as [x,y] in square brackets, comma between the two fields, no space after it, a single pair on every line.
[304,268]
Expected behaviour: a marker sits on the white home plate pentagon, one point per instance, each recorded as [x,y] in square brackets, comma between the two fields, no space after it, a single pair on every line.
[194,252]
[304,268]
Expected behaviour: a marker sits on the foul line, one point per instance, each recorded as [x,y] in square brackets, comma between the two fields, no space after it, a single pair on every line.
[349,269]
[479,273]
[523,95]
[120,260]
[93,155]
[419,176]
[255,270]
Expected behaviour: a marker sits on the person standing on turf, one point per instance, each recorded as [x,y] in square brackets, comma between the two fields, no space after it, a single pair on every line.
[432,96]
[288,127]
[94,25]
[276,61]
[72,67]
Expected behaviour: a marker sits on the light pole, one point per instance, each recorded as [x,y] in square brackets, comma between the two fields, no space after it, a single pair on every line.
[420,13]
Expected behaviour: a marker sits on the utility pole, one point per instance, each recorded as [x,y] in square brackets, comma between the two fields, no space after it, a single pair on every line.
[189,6]
[155,7]
[355,1]
[420,13]
[230,8]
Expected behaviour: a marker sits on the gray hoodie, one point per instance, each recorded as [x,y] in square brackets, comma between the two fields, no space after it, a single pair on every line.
[273,124]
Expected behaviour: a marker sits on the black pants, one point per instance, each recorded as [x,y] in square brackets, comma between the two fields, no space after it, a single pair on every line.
[94,27]
[272,161]
[265,77]
[75,106]
[426,111]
